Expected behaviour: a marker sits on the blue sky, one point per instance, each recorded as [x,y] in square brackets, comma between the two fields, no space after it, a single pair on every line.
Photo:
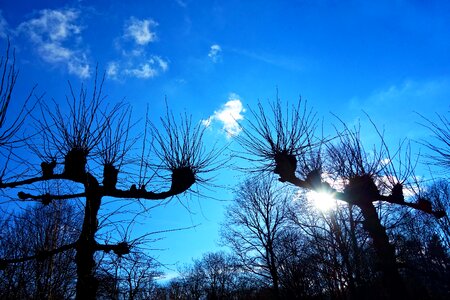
[215,59]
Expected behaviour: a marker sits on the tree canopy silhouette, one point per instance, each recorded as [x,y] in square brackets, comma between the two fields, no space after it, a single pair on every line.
[284,141]
[85,145]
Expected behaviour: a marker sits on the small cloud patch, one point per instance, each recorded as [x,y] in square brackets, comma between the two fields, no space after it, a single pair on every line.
[140,31]
[135,60]
[215,53]
[228,115]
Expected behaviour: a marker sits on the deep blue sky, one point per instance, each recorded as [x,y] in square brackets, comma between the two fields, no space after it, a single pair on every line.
[388,58]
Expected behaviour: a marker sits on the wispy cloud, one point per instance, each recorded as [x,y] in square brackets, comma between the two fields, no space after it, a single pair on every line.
[395,107]
[149,69]
[181,3]
[135,59]
[406,96]
[112,70]
[277,60]
[56,35]
[410,89]
[143,71]
[228,115]
[140,31]
[4,31]
[215,53]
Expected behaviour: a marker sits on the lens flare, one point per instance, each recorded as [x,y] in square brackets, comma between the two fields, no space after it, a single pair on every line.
[323,201]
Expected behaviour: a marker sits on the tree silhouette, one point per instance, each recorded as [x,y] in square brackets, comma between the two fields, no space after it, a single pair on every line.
[85,145]
[253,226]
[37,229]
[284,142]
[441,146]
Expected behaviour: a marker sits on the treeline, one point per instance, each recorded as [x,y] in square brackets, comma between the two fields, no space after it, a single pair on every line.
[284,249]
[278,245]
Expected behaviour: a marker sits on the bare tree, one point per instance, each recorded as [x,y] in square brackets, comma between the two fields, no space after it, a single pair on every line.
[85,147]
[439,195]
[221,273]
[129,277]
[285,142]
[440,147]
[253,224]
[334,247]
[215,276]
[299,276]
[32,232]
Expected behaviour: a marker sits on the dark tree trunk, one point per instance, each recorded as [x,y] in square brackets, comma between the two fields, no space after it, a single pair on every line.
[87,284]
[385,251]
[274,272]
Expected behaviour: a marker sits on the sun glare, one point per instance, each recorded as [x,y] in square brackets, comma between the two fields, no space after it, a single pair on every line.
[323,201]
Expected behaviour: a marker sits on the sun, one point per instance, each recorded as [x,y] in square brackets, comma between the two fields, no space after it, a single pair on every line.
[322,201]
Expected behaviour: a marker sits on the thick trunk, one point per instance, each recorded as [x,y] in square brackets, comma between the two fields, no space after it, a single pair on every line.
[385,251]
[86,246]
[355,261]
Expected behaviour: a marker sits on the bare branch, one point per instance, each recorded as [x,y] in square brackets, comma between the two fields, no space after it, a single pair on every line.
[48,198]
[182,151]
[40,255]
[275,141]
[441,147]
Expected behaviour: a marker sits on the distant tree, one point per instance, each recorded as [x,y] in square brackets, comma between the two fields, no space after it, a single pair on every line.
[216,276]
[33,232]
[334,252]
[285,143]
[220,271]
[178,290]
[439,195]
[423,257]
[297,270]
[130,277]
[85,146]
[440,146]
[253,226]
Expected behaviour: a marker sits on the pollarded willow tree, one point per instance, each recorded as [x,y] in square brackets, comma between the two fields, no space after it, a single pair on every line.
[85,147]
[284,142]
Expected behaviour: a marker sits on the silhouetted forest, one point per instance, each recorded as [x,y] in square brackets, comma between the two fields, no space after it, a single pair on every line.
[386,237]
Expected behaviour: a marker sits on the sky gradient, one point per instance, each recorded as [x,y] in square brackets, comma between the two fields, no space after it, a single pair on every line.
[216,59]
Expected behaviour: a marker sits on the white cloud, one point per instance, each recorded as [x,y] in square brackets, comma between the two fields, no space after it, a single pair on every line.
[54,53]
[214,53]
[141,31]
[143,71]
[135,60]
[79,68]
[112,69]
[229,115]
[147,69]
[56,35]
[162,63]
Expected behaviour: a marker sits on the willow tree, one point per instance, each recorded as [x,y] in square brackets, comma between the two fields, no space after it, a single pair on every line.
[284,141]
[84,145]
